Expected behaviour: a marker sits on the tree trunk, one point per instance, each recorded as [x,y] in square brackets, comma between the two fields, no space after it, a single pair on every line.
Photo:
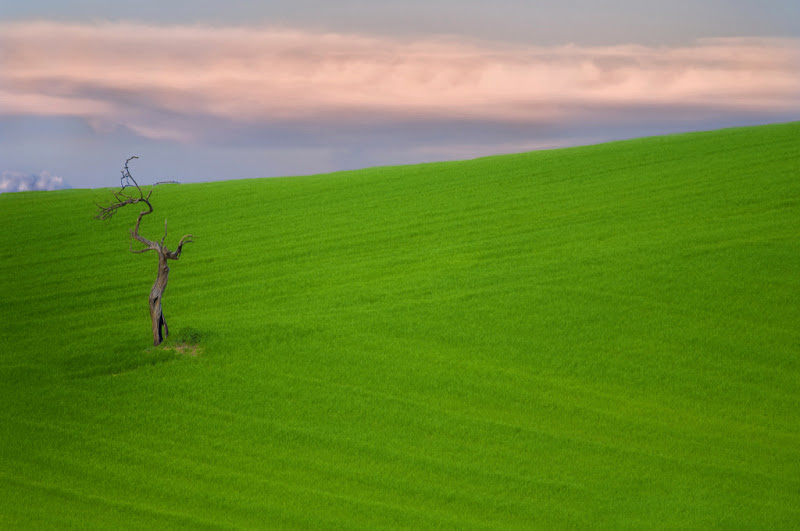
[156,294]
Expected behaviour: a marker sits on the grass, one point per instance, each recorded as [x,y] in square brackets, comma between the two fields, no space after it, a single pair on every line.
[604,335]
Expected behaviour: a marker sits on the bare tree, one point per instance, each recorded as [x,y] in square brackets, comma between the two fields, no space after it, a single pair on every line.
[130,193]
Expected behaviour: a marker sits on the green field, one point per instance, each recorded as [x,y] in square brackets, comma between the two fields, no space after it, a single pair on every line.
[596,336]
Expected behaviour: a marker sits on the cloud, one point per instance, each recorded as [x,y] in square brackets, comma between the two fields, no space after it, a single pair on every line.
[201,83]
[14,181]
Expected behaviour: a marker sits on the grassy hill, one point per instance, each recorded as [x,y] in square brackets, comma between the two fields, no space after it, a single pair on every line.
[597,335]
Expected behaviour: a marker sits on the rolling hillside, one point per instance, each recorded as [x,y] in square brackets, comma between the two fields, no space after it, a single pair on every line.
[605,335]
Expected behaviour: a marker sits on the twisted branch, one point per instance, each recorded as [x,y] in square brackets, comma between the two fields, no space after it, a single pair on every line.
[123,197]
[173,255]
[130,193]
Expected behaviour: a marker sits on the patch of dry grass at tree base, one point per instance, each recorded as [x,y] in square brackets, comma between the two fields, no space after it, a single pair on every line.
[186,349]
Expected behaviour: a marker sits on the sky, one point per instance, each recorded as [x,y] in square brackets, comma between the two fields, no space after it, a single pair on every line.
[206,90]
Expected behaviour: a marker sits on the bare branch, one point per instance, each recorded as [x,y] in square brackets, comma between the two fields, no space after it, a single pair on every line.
[165,232]
[139,220]
[106,212]
[174,255]
[139,251]
[189,240]
[123,197]
[144,241]
[126,179]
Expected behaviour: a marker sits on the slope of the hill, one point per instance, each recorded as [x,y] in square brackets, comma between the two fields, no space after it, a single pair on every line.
[597,335]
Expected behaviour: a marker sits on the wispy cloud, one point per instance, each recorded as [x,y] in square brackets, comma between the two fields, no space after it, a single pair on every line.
[14,181]
[187,83]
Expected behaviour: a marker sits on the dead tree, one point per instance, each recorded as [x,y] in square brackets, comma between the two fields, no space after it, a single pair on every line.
[130,193]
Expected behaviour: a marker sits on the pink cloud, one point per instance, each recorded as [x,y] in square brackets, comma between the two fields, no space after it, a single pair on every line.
[142,76]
